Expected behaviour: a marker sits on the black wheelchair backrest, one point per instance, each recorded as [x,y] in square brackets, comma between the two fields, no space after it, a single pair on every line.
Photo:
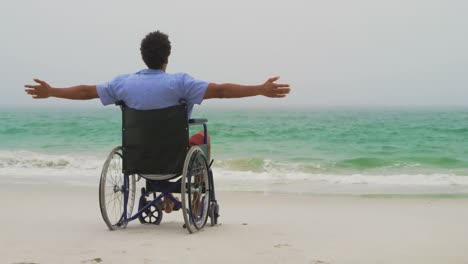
[154,141]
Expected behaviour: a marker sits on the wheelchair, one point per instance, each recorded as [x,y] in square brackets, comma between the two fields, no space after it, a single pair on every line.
[155,147]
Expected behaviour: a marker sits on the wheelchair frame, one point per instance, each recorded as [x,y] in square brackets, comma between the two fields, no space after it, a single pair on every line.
[163,185]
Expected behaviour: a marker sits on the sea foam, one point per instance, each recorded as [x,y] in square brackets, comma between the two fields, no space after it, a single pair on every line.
[261,175]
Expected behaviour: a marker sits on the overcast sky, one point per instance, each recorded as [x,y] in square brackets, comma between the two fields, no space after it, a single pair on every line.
[333,53]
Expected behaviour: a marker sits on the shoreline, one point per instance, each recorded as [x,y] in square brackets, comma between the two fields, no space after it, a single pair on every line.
[298,187]
[62,224]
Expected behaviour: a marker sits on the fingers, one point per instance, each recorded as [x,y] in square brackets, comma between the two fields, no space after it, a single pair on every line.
[282,90]
[279,91]
[40,82]
[32,86]
[33,94]
[273,79]
[276,85]
[279,85]
[37,96]
[30,91]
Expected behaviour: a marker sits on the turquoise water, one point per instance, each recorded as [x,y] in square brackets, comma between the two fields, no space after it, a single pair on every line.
[343,142]
[323,141]
[322,151]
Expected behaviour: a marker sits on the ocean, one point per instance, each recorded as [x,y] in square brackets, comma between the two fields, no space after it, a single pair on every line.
[318,151]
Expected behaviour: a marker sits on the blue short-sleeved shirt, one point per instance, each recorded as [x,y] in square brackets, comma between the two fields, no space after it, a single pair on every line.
[153,89]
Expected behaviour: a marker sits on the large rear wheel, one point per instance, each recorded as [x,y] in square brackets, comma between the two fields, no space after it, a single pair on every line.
[115,191]
[195,190]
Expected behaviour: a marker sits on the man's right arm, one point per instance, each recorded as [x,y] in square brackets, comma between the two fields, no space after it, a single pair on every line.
[229,90]
[44,90]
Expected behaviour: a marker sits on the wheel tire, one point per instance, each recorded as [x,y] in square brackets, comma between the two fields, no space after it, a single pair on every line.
[214,213]
[140,204]
[195,190]
[111,191]
[152,215]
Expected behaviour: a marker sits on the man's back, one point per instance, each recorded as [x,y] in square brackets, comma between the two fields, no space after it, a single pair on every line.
[152,89]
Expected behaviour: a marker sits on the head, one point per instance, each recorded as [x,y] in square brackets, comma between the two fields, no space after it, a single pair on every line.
[155,50]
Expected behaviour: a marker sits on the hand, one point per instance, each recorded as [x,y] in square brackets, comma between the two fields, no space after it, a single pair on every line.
[39,91]
[275,90]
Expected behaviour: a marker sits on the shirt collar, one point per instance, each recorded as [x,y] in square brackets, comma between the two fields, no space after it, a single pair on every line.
[150,71]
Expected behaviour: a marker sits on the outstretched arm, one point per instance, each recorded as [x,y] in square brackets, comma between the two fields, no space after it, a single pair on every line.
[44,90]
[229,90]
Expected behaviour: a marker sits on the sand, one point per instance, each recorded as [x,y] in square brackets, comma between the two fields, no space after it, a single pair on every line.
[62,224]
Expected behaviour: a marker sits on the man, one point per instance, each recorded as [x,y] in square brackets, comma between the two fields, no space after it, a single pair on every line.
[153,88]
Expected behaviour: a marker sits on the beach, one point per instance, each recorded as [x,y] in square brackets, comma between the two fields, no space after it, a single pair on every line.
[53,223]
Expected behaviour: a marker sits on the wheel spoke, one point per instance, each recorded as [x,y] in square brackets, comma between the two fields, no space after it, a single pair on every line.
[111,200]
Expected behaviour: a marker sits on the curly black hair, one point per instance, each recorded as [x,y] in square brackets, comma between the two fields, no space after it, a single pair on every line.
[155,49]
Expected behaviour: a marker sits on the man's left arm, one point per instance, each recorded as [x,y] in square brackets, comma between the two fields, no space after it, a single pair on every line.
[43,90]
[229,90]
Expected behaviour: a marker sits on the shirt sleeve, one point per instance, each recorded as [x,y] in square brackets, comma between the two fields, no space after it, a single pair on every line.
[109,92]
[193,90]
